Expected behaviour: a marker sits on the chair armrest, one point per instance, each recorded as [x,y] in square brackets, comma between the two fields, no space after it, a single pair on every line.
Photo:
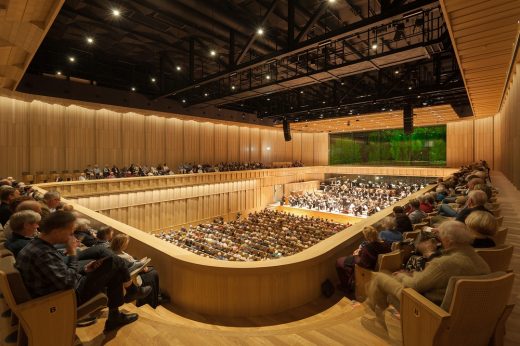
[500,329]
[49,320]
[421,319]
[362,279]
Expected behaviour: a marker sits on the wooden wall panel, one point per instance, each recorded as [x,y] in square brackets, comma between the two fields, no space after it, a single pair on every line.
[244,144]
[321,149]
[38,136]
[509,128]
[497,141]
[191,141]
[459,143]
[233,144]
[207,143]
[484,133]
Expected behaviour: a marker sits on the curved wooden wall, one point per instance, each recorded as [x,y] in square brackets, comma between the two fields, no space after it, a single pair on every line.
[222,288]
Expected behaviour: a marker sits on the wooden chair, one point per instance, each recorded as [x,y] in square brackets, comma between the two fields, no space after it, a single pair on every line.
[27,178]
[500,220]
[40,178]
[47,320]
[420,225]
[476,312]
[498,258]
[411,235]
[496,212]
[388,262]
[500,236]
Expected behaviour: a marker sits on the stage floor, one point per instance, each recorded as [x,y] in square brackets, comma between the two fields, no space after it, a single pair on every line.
[340,218]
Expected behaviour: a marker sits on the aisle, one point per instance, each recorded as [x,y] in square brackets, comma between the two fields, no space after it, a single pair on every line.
[509,199]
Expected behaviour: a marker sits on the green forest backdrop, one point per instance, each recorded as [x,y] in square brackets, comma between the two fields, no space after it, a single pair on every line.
[425,146]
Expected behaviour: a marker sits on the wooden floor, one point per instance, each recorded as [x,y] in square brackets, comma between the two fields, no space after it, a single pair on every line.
[333,321]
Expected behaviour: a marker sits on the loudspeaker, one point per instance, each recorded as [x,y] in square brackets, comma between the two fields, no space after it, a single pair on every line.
[286,130]
[408,119]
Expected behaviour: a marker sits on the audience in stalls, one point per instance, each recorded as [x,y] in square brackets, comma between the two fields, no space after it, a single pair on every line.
[458,259]
[7,195]
[263,235]
[358,197]
[104,236]
[148,275]
[44,271]
[365,256]
[85,234]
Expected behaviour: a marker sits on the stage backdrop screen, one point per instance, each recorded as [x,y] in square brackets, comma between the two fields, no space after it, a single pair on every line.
[426,146]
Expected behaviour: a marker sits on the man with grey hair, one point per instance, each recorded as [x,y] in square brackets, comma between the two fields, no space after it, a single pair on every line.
[25,205]
[476,201]
[458,259]
[24,225]
[52,200]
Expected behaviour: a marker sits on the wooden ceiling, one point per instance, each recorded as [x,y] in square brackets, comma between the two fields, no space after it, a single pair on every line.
[483,33]
[23,25]
[425,116]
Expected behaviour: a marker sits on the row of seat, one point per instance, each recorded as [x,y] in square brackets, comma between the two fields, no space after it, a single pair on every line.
[41,177]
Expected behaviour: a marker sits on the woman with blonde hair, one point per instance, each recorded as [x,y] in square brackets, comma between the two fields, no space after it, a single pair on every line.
[482,226]
[148,275]
[365,256]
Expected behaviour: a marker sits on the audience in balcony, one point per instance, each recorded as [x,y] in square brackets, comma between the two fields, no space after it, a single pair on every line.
[7,195]
[402,221]
[416,215]
[24,227]
[482,225]
[389,234]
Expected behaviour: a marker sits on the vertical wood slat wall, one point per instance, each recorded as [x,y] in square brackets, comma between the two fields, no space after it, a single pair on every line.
[37,136]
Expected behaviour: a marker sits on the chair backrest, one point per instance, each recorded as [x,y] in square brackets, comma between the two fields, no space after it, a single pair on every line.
[11,283]
[411,235]
[500,236]
[389,261]
[420,225]
[498,258]
[500,220]
[477,305]
[496,212]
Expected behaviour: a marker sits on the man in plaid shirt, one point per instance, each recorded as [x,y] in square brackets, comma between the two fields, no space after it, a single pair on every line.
[44,271]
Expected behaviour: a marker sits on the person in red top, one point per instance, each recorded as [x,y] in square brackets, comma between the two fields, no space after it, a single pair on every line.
[426,203]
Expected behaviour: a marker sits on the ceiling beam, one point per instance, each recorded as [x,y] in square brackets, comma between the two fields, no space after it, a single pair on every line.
[253,36]
[312,21]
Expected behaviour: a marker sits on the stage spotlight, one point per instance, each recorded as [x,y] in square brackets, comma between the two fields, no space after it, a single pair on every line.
[374,45]
[260,31]
[72,59]
[178,68]
[153,80]
[212,52]
[116,12]
[90,40]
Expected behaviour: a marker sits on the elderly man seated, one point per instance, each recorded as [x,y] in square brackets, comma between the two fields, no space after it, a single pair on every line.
[458,259]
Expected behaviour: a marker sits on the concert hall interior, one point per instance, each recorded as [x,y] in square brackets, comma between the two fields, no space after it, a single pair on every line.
[260,172]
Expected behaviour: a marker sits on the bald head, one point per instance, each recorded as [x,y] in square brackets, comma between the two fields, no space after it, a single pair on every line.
[30,205]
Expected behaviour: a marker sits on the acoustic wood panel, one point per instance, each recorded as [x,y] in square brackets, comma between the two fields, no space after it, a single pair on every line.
[38,136]
[484,134]
[459,143]
[483,33]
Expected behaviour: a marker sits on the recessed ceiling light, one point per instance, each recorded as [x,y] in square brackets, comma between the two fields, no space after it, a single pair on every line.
[72,59]
[374,46]
[233,87]
[323,102]
[90,40]
[183,100]
[409,88]
[267,77]
[116,12]
[133,88]
[396,72]
[212,52]
[301,91]
[260,31]
[206,94]
[268,99]
[178,68]
[332,1]
[153,80]
[58,73]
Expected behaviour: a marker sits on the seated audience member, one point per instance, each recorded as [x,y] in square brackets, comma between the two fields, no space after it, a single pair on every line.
[24,225]
[365,256]
[52,200]
[24,205]
[148,275]
[426,204]
[402,221]
[7,195]
[104,236]
[84,233]
[476,201]
[458,259]
[482,225]
[44,271]
[389,234]
[416,215]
